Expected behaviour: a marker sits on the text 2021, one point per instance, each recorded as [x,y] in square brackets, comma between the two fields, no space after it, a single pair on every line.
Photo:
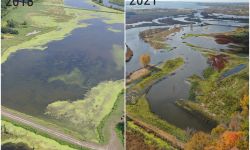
[141,2]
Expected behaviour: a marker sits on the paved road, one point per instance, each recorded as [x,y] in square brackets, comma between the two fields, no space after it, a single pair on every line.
[60,135]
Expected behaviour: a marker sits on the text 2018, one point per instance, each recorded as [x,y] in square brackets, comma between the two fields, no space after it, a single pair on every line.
[19,2]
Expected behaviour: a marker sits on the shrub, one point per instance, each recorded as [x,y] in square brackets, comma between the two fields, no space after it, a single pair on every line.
[198,142]
[11,23]
[24,23]
[145,59]
[6,30]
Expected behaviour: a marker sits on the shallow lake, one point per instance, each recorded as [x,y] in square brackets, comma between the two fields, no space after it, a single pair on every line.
[207,42]
[32,79]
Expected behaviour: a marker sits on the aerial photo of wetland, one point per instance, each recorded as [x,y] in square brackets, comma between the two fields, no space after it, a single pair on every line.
[187,76]
[63,75]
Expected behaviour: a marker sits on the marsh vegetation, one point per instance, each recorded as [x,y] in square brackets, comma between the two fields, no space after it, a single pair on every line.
[59,77]
[204,98]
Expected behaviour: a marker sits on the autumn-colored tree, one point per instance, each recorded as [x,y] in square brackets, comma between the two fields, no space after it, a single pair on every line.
[145,59]
[217,131]
[199,141]
[244,103]
[227,141]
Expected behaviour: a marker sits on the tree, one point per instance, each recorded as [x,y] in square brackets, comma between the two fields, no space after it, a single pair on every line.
[6,30]
[228,140]
[11,23]
[218,131]
[145,59]
[199,141]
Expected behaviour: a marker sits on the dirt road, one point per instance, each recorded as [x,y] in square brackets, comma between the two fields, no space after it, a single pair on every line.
[158,132]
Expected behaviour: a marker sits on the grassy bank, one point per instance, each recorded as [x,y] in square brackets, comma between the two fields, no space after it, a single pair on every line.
[166,68]
[141,111]
[117,2]
[119,129]
[197,111]
[48,123]
[15,133]
[149,139]
[111,119]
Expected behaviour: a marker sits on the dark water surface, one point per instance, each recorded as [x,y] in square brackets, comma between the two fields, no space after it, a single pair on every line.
[25,75]
[233,70]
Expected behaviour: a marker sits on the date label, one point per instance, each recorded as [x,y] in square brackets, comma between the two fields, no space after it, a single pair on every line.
[19,2]
[142,2]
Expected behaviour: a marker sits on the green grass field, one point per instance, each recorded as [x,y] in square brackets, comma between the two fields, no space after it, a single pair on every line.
[16,134]
[149,138]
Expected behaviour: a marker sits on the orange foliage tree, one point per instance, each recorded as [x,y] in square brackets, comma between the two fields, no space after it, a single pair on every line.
[198,141]
[145,59]
[227,141]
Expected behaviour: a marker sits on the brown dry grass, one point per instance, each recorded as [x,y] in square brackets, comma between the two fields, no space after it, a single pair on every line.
[136,142]
[143,72]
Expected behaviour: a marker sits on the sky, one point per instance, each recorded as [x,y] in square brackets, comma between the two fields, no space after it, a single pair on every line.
[204,0]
